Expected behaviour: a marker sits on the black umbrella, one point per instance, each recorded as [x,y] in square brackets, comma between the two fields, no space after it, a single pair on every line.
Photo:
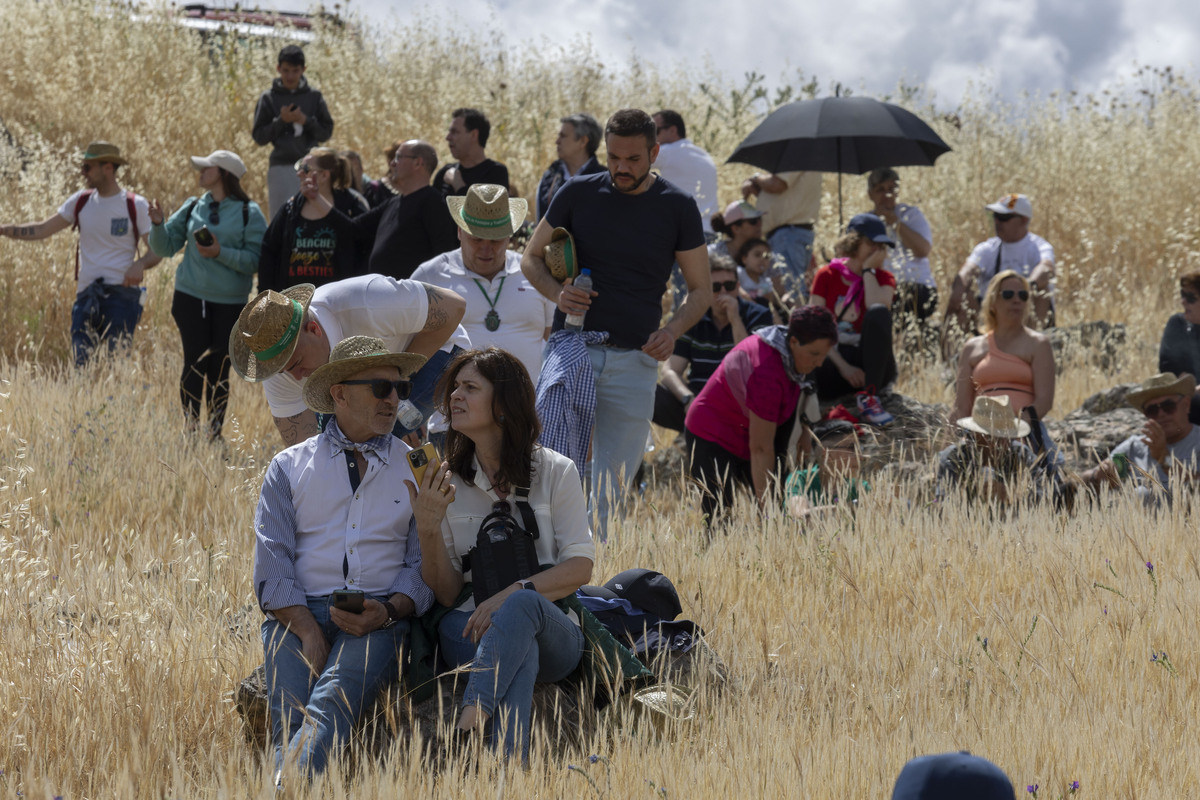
[839,134]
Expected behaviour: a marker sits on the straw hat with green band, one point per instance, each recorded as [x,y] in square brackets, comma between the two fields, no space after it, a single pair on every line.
[267,330]
[103,151]
[487,212]
[560,255]
[349,357]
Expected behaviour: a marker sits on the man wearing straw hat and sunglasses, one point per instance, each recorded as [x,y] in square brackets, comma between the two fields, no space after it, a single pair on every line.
[281,338]
[112,222]
[336,569]
[1168,446]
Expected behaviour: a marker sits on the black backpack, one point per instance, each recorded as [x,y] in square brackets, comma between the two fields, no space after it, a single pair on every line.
[504,552]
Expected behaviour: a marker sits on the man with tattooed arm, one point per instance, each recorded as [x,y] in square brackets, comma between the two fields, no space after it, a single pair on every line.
[282,337]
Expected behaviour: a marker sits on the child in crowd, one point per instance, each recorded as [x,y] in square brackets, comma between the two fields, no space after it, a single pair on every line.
[760,280]
[833,479]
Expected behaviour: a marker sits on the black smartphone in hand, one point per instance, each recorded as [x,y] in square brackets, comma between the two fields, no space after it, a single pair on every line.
[349,600]
[203,236]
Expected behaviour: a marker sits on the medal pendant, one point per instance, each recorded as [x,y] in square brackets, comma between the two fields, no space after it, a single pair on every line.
[492,320]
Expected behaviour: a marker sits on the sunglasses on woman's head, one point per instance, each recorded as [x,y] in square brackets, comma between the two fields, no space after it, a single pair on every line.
[1009,294]
[1188,297]
[382,388]
[1166,406]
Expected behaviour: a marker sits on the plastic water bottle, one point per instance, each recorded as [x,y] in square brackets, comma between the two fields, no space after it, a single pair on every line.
[584,281]
[409,415]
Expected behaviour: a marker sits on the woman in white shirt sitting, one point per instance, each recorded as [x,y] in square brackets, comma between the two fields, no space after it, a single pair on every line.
[517,636]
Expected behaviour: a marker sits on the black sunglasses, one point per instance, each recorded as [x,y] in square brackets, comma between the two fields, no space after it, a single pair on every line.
[214,216]
[1002,217]
[382,388]
[729,286]
[1166,406]
[1188,297]
[1008,294]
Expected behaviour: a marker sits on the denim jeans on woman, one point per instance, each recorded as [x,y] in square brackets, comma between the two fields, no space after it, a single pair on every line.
[309,719]
[531,640]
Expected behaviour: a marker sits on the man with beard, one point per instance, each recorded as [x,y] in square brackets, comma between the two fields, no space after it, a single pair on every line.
[629,227]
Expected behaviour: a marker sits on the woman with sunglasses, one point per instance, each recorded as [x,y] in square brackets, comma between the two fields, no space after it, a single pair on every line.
[1010,359]
[303,243]
[213,279]
[1179,350]
[517,636]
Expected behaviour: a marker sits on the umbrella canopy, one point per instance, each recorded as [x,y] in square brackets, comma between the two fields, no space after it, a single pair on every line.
[840,134]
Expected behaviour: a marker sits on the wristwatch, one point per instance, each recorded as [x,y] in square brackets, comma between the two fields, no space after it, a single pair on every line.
[393,615]
[527,585]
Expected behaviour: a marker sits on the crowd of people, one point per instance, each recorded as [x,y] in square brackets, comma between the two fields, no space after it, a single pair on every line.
[393,311]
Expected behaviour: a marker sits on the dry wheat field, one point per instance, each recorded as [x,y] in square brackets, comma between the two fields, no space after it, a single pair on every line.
[1060,647]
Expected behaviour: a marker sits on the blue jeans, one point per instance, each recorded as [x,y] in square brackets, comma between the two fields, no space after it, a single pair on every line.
[103,312]
[308,719]
[795,245]
[625,381]
[530,640]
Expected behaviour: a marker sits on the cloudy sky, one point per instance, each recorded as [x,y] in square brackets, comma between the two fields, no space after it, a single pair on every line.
[868,45]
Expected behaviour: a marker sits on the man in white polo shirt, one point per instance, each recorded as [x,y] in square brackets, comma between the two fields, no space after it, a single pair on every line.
[503,307]
[112,222]
[687,165]
[282,337]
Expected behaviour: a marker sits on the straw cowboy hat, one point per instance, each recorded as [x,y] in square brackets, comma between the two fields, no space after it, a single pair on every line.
[1163,384]
[560,255]
[349,357]
[267,330]
[103,151]
[487,211]
[993,416]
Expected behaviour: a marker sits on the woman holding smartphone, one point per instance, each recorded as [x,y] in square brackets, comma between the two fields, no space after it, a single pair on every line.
[517,636]
[221,234]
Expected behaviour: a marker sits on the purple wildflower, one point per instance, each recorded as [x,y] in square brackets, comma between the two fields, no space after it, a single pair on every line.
[1149,566]
[1074,786]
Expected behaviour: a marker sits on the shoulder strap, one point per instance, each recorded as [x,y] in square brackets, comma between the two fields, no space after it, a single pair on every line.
[79,204]
[521,496]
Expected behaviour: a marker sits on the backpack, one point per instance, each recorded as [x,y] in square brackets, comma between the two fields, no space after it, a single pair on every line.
[504,552]
[86,195]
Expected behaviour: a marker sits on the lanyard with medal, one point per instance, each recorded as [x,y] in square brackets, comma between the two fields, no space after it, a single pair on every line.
[492,320]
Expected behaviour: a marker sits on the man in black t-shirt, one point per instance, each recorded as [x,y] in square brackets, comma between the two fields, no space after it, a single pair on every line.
[413,227]
[467,137]
[629,227]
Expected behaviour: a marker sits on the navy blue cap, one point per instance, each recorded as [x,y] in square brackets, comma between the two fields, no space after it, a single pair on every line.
[871,227]
[952,776]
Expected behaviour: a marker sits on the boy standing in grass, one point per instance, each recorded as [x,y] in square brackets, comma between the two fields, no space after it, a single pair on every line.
[292,116]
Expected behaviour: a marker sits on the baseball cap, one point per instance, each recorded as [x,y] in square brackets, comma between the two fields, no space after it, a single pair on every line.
[871,227]
[739,210]
[226,160]
[1012,204]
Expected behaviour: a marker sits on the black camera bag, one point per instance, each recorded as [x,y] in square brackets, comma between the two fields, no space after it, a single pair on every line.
[504,552]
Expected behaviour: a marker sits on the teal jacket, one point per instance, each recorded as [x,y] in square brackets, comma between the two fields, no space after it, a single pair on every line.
[226,278]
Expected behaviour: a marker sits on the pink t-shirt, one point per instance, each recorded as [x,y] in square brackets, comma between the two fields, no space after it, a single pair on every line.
[751,377]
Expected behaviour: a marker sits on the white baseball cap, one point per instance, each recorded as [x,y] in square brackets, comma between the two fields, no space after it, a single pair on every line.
[226,160]
[1012,204]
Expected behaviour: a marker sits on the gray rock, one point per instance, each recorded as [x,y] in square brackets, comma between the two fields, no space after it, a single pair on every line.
[1099,343]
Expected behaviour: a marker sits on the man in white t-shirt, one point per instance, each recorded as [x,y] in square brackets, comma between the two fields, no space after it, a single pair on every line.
[687,165]
[108,271]
[1013,247]
[503,307]
[282,337]
[916,289]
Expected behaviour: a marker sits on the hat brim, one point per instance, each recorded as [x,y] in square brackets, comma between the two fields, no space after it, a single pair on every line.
[316,386]
[1186,386]
[560,255]
[244,362]
[998,208]
[518,207]
[969,424]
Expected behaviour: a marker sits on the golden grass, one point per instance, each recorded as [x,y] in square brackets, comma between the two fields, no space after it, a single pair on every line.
[126,605]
